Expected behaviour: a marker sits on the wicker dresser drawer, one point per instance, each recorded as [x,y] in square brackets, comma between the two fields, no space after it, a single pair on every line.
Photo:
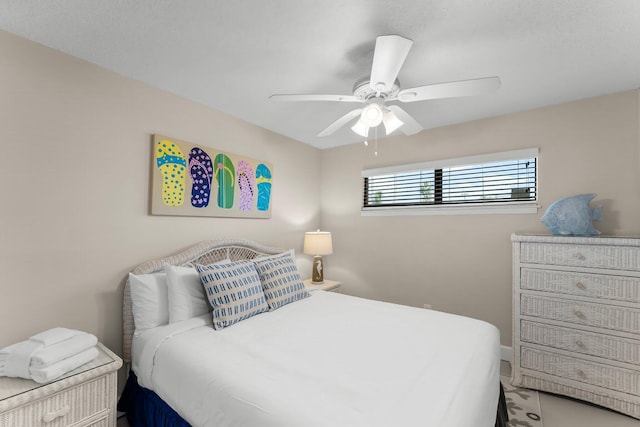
[583,342]
[594,256]
[103,421]
[620,288]
[599,315]
[61,409]
[598,374]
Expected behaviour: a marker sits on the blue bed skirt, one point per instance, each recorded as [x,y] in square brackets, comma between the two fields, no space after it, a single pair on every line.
[502,416]
[144,408]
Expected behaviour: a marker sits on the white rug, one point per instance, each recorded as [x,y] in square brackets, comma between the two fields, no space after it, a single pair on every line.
[523,405]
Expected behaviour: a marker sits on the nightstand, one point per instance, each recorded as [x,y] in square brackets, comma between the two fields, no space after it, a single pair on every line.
[84,397]
[328,285]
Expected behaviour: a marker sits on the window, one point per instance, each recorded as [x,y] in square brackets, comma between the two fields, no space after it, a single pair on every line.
[492,183]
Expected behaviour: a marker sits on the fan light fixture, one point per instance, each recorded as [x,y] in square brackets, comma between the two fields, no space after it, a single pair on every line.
[360,128]
[391,121]
[372,115]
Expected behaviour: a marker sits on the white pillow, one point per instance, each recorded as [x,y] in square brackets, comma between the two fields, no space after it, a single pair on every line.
[233,290]
[149,300]
[187,298]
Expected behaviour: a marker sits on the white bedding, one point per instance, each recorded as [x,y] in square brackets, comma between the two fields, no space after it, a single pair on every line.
[327,360]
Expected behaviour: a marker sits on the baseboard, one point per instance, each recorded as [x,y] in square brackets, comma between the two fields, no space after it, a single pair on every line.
[505,353]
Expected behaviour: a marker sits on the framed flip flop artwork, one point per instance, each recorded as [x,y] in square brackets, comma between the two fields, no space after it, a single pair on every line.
[194,180]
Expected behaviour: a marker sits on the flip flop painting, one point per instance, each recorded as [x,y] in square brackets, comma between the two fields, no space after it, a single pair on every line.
[225,177]
[200,171]
[246,184]
[263,180]
[172,165]
[194,180]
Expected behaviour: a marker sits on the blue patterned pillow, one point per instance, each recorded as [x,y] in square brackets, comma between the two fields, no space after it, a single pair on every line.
[280,280]
[234,291]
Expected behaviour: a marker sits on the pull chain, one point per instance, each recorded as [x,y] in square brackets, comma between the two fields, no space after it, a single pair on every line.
[375,153]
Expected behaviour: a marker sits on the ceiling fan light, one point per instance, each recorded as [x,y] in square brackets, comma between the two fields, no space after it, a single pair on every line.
[372,115]
[391,122]
[361,128]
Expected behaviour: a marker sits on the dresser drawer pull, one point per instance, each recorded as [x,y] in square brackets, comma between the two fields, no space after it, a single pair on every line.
[581,286]
[578,313]
[580,256]
[579,343]
[581,373]
[47,418]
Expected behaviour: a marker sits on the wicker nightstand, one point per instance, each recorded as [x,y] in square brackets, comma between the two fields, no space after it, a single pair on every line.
[84,397]
[328,285]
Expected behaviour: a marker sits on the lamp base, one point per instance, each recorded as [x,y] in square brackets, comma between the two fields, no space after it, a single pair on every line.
[317,274]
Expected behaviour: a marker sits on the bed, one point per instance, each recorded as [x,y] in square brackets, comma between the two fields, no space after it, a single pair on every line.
[325,359]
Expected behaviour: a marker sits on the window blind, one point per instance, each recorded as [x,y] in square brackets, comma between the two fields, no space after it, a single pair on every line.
[498,178]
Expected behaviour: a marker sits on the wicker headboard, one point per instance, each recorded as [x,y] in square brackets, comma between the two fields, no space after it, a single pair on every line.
[206,252]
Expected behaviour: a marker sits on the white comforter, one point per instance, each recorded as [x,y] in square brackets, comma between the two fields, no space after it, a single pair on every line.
[327,360]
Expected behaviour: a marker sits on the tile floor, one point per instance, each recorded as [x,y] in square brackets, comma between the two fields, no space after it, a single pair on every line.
[558,411]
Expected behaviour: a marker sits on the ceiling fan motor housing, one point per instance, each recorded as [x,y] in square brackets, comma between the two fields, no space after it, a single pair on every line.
[363,90]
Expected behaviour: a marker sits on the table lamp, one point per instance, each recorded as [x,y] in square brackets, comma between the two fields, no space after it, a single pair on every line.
[317,243]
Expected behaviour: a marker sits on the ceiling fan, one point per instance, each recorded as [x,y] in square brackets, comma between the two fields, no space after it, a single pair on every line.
[382,87]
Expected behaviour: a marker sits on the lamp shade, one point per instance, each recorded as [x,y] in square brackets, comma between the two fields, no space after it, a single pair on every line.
[391,121]
[360,128]
[372,114]
[318,243]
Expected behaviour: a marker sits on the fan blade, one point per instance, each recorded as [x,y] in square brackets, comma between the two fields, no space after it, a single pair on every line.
[303,97]
[450,89]
[410,125]
[341,122]
[388,57]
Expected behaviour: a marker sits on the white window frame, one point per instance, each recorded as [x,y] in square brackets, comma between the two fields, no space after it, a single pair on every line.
[524,207]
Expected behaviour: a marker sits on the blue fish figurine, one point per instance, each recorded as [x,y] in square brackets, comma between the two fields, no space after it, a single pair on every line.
[572,216]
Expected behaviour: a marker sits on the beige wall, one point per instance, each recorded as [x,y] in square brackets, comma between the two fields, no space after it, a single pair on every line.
[76,158]
[462,263]
[76,167]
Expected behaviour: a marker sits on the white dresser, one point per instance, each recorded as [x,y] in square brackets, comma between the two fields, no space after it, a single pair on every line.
[576,318]
[82,398]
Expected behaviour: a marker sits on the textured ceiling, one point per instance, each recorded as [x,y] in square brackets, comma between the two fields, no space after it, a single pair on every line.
[231,55]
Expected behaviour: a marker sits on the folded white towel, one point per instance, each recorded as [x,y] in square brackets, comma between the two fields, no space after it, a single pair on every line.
[54,335]
[57,370]
[19,358]
[4,352]
[48,355]
[74,342]
[54,353]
